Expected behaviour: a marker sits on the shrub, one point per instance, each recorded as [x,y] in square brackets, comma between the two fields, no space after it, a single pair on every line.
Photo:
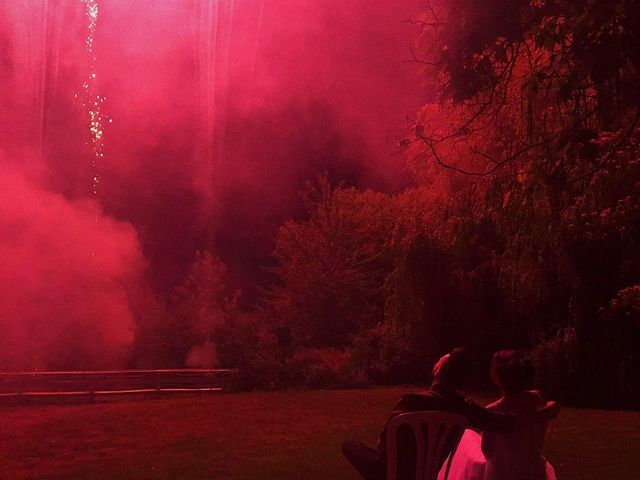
[322,367]
[385,356]
[243,342]
[619,358]
[556,364]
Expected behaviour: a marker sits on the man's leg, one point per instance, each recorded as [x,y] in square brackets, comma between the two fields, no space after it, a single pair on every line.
[365,460]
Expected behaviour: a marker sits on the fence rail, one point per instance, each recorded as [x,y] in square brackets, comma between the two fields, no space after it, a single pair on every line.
[95,385]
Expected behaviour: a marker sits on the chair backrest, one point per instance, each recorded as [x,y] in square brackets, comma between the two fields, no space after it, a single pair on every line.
[436,436]
[519,452]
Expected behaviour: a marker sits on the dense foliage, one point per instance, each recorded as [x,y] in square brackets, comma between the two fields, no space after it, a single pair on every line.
[521,229]
[538,110]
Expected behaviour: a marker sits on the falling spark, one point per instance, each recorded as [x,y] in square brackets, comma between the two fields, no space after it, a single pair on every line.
[90,99]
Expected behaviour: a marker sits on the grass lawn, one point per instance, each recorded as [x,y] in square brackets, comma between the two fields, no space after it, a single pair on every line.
[280,435]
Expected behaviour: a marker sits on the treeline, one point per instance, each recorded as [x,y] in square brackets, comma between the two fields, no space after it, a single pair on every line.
[522,228]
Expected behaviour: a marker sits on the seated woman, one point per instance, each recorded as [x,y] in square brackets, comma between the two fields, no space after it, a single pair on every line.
[516,455]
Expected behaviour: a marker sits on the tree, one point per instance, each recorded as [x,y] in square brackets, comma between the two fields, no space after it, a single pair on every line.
[332,266]
[201,303]
[536,118]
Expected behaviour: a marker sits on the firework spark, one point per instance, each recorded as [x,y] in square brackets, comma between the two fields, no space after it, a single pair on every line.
[91,100]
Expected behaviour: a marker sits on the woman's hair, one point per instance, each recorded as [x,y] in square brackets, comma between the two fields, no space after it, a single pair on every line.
[513,370]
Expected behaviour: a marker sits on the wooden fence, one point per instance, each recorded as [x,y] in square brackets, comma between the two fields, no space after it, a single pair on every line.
[90,386]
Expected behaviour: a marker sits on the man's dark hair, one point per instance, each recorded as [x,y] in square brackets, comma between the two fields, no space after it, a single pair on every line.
[513,370]
[458,368]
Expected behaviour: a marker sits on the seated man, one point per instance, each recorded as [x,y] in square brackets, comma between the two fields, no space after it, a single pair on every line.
[450,373]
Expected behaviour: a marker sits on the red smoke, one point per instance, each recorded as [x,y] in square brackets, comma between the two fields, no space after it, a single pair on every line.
[221,111]
[64,281]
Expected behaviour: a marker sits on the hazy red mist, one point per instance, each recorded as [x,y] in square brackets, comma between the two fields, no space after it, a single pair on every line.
[221,110]
[64,280]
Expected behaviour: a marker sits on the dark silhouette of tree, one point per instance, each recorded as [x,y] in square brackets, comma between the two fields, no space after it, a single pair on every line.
[537,114]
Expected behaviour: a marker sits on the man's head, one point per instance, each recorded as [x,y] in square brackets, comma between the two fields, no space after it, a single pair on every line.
[453,370]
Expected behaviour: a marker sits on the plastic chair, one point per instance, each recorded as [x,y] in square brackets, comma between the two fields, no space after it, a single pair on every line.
[519,453]
[436,437]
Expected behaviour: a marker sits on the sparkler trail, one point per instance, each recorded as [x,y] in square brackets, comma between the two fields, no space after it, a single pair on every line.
[43,85]
[254,66]
[222,122]
[58,27]
[210,34]
[36,70]
[258,41]
[91,100]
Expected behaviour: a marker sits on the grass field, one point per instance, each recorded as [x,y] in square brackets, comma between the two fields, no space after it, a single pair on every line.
[280,435]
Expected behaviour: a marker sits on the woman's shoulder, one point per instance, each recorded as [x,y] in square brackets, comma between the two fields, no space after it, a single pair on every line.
[519,402]
[536,396]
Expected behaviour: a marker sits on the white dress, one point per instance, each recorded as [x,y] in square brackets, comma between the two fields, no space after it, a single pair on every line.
[516,455]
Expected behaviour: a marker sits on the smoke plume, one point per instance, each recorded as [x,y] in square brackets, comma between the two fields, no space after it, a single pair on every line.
[63,282]
[222,110]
